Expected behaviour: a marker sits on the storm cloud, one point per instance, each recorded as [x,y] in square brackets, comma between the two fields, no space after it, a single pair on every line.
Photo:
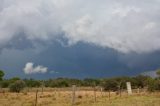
[124,25]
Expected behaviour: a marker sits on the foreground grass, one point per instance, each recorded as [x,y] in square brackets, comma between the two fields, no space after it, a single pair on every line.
[83,98]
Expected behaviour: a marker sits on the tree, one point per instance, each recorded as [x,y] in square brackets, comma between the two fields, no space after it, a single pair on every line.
[142,81]
[1,75]
[17,86]
[4,83]
[91,82]
[154,85]
[32,83]
[60,82]
[110,85]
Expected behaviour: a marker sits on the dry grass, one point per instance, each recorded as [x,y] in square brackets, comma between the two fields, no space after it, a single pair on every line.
[62,97]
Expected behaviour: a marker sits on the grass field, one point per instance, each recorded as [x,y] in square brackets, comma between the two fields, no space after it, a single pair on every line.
[63,97]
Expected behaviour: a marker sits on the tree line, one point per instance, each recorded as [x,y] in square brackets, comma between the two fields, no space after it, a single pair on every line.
[109,84]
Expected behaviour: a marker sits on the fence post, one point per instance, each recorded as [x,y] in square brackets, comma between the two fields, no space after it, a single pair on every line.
[120,92]
[138,91]
[95,97]
[129,89]
[109,94]
[101,91]
[36,98]
[73,94]
[42,86]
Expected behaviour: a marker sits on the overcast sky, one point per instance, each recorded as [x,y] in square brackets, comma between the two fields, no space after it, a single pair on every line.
[79,38]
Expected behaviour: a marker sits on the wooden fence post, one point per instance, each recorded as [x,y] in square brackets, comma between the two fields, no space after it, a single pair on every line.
[42,86]
[138,90]
[109,94]
[95,96]
[120,92]
[36,98]
[73,94]
[101,91]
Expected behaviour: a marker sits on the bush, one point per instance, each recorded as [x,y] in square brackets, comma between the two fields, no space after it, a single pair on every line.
[17,86]
[32,83]
[110,84]
[1,75]
[4,84]
[154,85]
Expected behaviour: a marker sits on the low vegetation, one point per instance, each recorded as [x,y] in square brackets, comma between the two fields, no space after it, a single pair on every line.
[109,84]
[58,92]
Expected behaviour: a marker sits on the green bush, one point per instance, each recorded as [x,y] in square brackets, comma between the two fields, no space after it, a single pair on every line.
[154,85]
[32,83]
[17,86]
[4,84]
[1,75]
[110,84]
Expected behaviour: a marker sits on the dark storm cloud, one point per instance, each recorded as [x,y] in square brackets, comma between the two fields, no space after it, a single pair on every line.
[80,61]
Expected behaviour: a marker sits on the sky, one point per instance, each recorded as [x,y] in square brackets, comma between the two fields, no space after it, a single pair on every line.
[79,38]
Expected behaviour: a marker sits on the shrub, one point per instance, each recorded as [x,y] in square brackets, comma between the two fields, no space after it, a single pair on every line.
[17,86]
[110,85]
[1,75]
[4,84]
[154,85]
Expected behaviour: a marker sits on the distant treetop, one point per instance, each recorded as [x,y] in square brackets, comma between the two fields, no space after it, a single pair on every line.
[1,75]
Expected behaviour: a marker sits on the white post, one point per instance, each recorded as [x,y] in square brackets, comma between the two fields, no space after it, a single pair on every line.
[129,89]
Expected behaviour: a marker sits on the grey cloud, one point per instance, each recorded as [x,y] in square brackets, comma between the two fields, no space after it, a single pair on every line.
[126,25]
